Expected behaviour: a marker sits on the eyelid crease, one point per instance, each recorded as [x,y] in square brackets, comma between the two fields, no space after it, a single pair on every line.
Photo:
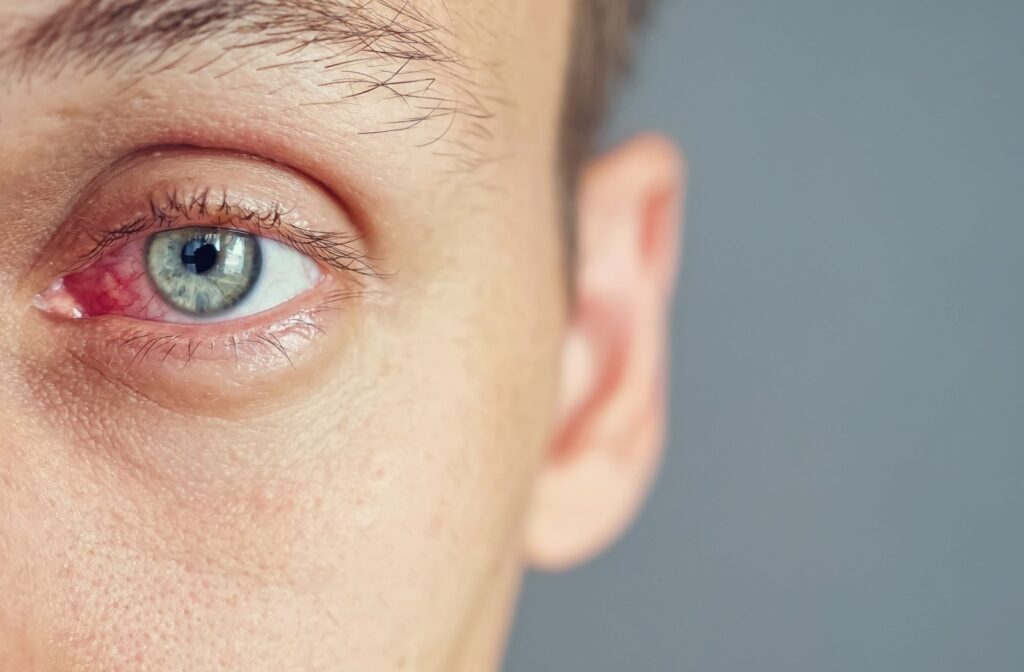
[170,210]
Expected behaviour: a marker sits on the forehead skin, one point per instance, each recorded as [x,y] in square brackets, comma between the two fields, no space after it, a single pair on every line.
[360,516]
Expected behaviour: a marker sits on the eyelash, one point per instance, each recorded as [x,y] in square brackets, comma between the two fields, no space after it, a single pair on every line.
[333,250]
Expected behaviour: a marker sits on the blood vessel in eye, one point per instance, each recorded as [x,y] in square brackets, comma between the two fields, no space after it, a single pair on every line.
[115,285]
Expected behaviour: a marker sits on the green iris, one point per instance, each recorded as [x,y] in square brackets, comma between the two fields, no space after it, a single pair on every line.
[203,271]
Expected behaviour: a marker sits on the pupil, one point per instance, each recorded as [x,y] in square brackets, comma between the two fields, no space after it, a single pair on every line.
[199,256]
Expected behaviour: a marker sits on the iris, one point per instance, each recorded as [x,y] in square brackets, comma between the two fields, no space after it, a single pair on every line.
[203,271]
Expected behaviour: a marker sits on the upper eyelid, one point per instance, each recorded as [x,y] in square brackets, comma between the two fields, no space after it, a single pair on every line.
[173,210]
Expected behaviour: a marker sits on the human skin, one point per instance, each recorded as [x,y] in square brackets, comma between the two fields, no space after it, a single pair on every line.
[355,479]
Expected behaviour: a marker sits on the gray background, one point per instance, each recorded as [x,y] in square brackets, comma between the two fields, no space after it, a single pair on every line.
[845,481]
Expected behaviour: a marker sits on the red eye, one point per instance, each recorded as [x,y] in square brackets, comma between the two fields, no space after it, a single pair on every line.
[188,275]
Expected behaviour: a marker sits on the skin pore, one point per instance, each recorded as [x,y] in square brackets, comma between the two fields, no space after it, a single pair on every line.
[354,476]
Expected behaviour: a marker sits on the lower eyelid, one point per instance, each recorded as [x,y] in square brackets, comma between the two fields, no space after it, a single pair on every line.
[212,367]
[220,365]
[263,340]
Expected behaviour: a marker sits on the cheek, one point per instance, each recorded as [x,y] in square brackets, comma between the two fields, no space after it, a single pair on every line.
[113,567]
[117,284]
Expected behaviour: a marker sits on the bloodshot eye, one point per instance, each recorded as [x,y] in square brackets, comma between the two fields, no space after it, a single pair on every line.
[187,275]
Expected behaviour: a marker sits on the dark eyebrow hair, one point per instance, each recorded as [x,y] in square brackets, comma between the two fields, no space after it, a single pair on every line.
[114,34]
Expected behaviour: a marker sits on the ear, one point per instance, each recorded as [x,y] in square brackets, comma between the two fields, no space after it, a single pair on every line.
[609,435]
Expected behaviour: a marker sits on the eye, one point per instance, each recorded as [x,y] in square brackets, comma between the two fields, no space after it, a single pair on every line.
[179,259]
[209,272]
[192,275]
[223,251]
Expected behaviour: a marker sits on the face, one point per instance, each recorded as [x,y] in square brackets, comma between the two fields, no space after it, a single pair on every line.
[284,330]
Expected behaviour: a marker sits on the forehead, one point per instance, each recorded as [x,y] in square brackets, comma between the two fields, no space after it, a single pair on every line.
[450,63]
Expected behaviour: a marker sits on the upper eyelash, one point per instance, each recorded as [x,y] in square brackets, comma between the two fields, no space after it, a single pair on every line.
[333,249]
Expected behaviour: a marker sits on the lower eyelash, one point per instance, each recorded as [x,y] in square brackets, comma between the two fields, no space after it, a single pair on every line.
[156,347]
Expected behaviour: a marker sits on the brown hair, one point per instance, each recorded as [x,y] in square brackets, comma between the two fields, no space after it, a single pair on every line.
[601,45]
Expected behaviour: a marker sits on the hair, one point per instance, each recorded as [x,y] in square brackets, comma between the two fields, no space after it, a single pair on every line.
[601,47]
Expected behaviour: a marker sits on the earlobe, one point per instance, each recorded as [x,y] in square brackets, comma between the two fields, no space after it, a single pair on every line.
[609,437]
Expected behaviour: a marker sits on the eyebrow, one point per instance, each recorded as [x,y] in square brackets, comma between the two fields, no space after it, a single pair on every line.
[392,47]
[113,35]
